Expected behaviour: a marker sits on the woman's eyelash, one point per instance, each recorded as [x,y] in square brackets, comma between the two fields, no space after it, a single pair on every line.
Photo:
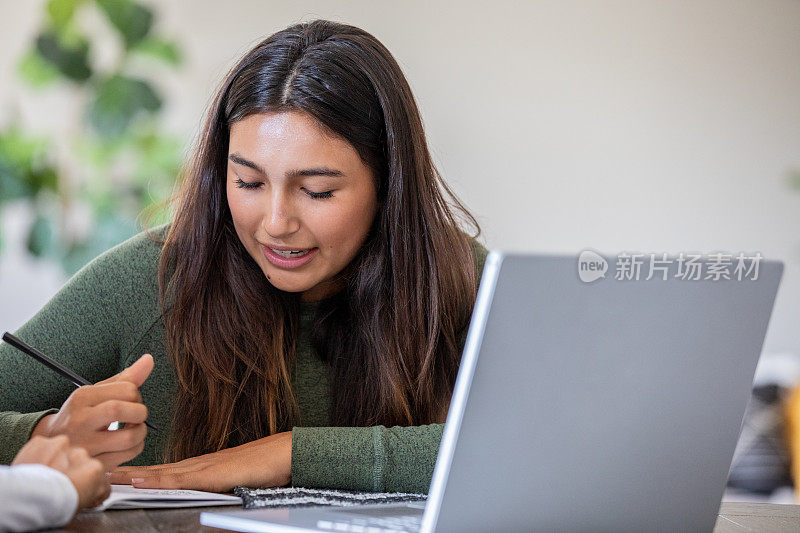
[255,185]
[246,185]
[319,195]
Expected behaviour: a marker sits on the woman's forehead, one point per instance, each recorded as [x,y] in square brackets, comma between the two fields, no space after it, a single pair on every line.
[288,138]
[291,121]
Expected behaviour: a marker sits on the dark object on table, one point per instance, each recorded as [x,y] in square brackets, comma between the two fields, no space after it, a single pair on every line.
[761,461]
[301,497]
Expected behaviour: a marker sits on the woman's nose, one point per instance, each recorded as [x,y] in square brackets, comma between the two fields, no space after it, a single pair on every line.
[280,220]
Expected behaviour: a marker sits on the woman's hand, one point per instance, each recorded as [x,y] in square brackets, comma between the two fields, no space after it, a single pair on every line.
[264,462]
[90,409]
[86,474]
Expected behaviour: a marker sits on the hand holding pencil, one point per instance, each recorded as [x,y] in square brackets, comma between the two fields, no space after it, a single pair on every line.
[86,414]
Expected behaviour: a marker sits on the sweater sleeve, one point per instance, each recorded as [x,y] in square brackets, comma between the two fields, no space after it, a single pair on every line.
[377,458]
[78,328]
[34,497]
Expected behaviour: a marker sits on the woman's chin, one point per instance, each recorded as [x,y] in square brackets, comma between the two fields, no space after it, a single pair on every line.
[289,285]
[290,288]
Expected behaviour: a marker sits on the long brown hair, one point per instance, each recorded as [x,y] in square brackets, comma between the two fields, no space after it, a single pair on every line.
[390,336]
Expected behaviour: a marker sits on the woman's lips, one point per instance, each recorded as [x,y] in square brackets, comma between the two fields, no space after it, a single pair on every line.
[288,262]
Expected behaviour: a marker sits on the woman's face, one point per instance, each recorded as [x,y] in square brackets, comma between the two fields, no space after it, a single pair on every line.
[302,200]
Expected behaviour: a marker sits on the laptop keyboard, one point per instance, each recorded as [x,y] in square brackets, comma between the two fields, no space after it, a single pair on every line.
[387,524]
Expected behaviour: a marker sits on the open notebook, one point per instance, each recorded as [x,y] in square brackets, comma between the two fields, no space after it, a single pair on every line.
[127,497]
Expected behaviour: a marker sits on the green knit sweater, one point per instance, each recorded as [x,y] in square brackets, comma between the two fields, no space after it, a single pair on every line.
[107,315]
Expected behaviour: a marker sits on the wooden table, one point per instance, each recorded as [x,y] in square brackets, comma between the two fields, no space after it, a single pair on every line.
[766,517]
[734,517]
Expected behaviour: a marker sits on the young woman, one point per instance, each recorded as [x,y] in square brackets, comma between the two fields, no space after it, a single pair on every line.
[306,308]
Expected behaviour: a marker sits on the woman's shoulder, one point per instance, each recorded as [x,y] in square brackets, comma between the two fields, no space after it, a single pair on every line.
[127,274]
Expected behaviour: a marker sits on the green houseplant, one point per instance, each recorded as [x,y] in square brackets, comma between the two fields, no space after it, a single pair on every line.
[88,191]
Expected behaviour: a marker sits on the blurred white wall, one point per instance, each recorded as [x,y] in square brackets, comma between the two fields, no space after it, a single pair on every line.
[657,126]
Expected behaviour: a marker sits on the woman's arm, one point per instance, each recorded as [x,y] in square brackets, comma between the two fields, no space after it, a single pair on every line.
[98,311]
[76,328]
[377,459]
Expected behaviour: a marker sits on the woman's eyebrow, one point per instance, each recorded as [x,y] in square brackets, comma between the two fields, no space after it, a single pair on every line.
[236,158]
[315,171]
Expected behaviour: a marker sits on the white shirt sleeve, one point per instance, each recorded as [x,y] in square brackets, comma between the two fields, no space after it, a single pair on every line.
[34,497]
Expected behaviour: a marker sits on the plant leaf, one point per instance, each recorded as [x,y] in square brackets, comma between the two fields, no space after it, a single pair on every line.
[165,51]
[131,19]
[117,101]
[12,185]
[71,61]
[60,12]
[40,236]
[25,169]
[36,71]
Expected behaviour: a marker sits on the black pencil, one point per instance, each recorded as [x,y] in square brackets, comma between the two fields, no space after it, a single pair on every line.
[52,365]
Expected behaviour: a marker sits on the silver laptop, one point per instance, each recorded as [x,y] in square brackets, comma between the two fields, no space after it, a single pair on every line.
[586,400]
